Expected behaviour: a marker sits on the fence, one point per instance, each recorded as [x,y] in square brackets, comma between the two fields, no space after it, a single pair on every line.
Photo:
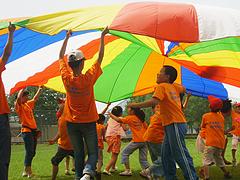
[47,123]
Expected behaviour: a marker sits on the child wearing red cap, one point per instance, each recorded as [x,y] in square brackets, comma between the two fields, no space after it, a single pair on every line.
[213,122]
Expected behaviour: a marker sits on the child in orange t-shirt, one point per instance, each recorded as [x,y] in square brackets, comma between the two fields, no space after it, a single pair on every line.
[24,108]
[136,122]
[64,145]
[235,129]
[101,138]
[154,138]
[80,105]
[174,149]
[213,122]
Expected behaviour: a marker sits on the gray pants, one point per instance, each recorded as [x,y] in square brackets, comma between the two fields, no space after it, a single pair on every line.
[143,151]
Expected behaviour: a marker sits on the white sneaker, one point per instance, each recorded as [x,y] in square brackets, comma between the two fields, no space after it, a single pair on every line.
[107,172]
[126,173]
[67,172]
[113,170]
[30,176]
[24,174]
[86,177]
[145,173]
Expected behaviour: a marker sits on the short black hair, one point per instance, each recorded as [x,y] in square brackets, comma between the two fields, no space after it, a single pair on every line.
[227,106]
[171,72]
[101,119]
[117,111]
[139,113]
[74,64]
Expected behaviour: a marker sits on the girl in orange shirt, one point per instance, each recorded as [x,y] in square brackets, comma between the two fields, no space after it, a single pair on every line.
[24,108]
[136,122]
[213,122]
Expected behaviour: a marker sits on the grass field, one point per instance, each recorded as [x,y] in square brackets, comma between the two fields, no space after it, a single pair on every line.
[42,165]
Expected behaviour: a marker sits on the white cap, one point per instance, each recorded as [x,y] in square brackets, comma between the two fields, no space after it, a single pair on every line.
[75,55]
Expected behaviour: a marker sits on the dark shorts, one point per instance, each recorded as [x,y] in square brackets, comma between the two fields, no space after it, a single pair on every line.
[60,155]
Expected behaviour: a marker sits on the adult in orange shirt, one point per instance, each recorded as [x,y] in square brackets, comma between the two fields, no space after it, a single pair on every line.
[154,138]
[136,122]
[64,145]
[24,108]
[213,122]
[5,135]
[174,148]
[80,106]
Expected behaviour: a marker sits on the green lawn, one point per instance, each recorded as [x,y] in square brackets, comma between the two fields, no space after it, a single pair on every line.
[42,165]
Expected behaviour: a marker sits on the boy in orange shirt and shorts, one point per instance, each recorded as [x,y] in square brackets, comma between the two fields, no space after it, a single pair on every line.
[64,145]
[174,148]
[213,122]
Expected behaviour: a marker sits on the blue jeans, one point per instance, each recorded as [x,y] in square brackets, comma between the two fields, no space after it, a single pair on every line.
[30,143]
[133,146]
[175,150]
[155,150]
[78,133]
[5,146]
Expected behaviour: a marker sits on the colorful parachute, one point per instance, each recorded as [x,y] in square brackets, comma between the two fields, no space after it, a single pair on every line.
[131,62]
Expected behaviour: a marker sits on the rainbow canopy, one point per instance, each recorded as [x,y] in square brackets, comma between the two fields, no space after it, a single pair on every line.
[188,37]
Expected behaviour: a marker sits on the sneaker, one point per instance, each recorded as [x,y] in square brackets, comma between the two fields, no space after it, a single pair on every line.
[145,173]
[126,173]
[107,172]
[234,163]
[30,176]
[227,175]
[227,162]
[24,174]
[113,170]
[67,172]
[86,177]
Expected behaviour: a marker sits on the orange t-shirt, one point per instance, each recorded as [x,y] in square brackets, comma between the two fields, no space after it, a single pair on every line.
[100,131]
[214,124]
[80,100]
[25,114]
[137,127]
[235,123]
[63,140]
[4,108]
[155,130]
[170,104]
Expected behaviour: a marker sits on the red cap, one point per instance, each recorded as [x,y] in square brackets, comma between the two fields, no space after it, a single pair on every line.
[215,103]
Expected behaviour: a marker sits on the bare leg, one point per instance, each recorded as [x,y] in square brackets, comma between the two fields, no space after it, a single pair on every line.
[112,162]
[67,163]
[54,172]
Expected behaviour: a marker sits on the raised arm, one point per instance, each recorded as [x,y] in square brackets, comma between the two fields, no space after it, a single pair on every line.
[64,46]
[101,49]
[186,100]
[19,96]
[106,108]
[36,96]
[115,118]
[148,103]
[8,48]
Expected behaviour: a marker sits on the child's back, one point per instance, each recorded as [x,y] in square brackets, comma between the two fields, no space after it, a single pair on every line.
[214,124]
[114,128]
